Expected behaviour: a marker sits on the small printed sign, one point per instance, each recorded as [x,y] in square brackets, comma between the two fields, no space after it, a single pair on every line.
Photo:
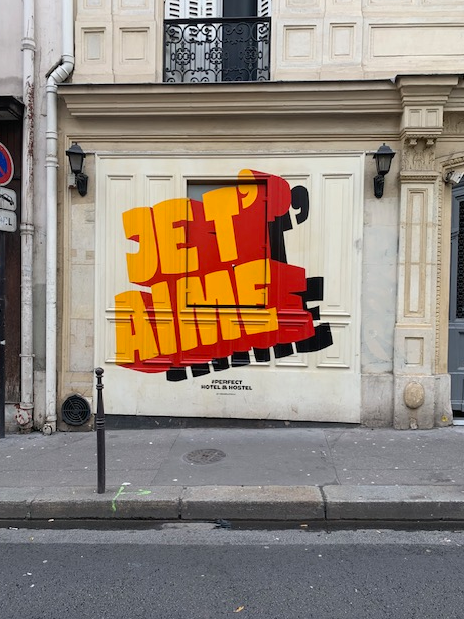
[6,165]
[7,221]
[8,199]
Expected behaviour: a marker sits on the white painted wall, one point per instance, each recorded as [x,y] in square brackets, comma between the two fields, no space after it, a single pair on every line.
[311,39]
[11,27]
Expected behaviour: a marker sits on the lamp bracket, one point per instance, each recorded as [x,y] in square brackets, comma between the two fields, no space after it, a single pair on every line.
[379,182]
[81,183]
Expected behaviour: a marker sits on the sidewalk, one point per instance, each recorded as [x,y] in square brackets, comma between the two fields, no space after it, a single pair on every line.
[327,474]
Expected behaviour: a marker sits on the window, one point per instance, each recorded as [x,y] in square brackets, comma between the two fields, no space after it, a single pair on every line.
[217,40]
[234,240]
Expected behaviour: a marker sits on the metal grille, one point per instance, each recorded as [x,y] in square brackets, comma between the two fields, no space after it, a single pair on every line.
[204,456]
[460,268]
[75,410]
[229,50]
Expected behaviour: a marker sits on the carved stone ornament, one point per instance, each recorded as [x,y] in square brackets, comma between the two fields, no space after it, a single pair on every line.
[414,395]
[418,155]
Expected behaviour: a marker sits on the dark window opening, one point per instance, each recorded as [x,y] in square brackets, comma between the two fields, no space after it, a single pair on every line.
[224,42]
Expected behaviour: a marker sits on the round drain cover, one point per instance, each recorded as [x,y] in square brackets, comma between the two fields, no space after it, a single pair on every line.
[75,410]
[204,456]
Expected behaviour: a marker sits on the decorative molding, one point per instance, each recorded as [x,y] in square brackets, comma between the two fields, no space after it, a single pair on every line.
[412,139]
[299,43]
[417,207]
[452,163]
[417,155]
[231,99]
[438,308]
[342,41]
[418,176]
[424,98]
[191,134]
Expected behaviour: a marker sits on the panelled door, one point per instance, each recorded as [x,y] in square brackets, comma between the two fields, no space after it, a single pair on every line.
[230,286]
[456,319]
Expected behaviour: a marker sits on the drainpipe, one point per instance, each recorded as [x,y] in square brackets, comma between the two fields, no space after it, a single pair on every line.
[58,74]
[26,406]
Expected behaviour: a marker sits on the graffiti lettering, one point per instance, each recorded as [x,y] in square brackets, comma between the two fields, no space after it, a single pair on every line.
[212,283]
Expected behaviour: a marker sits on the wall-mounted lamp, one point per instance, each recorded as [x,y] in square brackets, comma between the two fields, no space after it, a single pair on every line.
[383,158]
[76,158]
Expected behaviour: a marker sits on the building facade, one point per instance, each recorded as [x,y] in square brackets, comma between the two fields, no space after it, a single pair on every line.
[229,257]
[30,40]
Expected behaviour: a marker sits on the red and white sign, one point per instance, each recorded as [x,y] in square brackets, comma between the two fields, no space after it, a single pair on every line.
[6,166]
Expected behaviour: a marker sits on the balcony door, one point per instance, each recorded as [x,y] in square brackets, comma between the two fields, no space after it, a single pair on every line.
[230,45]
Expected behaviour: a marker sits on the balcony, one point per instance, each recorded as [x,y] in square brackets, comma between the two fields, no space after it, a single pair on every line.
[217,50]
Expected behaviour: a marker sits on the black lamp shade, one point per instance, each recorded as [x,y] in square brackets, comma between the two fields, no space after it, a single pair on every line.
[76,158]
[383,158]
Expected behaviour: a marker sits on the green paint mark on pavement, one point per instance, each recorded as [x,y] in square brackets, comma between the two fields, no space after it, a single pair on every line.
[139,492]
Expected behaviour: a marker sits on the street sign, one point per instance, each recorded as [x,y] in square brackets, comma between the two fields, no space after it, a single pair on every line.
[8,199]
[6,165]
[7,221]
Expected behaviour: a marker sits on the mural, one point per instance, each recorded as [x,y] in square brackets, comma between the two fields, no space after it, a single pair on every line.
[213,282]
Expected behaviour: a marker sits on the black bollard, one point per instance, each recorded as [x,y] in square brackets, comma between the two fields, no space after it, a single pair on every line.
[100,425]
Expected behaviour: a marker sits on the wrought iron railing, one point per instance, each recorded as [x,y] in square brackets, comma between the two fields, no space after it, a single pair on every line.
[217,50]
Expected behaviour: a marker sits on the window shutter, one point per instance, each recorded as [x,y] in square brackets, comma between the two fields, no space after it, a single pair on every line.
[264,8]
[185,9]
[212,8]
[172,9]
[192,8]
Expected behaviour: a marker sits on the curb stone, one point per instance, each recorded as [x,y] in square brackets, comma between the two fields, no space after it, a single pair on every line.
[282,503]
[330,503]
[401,503]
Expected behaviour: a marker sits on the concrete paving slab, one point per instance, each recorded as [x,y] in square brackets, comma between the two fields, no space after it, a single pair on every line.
[400,503]
[280,503]
[365,474]
[385,448]
[73,478]
[48,478]
[400,476]
[63,451]
[252,457]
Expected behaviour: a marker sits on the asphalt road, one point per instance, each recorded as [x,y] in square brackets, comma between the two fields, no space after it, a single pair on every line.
[194,571]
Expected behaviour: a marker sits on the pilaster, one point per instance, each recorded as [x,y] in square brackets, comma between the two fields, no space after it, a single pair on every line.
[418,307]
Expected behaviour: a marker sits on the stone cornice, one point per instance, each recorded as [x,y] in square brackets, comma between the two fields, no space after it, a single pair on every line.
[455,101]
[413,176]
[424,98]
[426,89]
[232,99]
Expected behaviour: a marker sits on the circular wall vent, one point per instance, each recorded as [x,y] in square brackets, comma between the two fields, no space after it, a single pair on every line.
[75,410]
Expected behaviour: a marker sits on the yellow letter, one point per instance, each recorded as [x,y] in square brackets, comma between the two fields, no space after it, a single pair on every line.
[253,279]
[220,206]
[218,291]
[164,318]
[138,226]
[133,328]
[170,221]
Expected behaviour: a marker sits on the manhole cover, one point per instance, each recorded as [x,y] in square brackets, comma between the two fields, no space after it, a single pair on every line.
[204,456]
